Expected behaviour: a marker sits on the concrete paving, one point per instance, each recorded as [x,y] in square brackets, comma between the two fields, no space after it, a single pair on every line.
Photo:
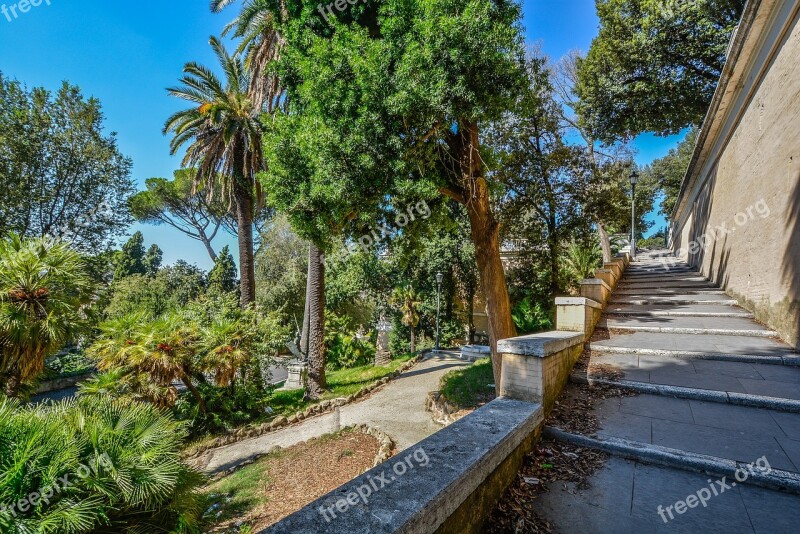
[624,496]
[398,409]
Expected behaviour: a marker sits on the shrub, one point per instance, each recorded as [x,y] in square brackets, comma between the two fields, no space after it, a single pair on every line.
[345,349]
[530,318]
[580,261]
[44,287]
[94,465]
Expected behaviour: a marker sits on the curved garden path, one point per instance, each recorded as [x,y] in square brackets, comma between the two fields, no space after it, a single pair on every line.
[398,409]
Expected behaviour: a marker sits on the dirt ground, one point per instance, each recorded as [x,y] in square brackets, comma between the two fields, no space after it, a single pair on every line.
[281,483]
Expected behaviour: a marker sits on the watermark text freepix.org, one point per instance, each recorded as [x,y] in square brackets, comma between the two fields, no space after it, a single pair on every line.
[374,484]
[13,11]
[45,494]
[714,489]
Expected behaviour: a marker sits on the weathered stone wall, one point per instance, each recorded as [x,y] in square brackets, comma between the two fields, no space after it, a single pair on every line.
[741,221]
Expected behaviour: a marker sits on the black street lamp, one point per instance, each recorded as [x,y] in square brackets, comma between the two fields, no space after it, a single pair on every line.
[439,278]
[634,181]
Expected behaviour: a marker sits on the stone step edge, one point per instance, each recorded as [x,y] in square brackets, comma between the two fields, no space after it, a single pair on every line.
[710,395]
[776,479]
[661,313]
[626,285]
[683,291]
[690,331]
[696,355]
[668,302]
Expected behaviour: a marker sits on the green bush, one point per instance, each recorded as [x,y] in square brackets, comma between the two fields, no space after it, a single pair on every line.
[530,318]
[654,242]
[94,465]
[69,364]
[345,349]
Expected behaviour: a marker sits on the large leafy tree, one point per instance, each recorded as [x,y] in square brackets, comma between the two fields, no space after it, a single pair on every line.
[44,289]
[62,175]
[179,203]
[654,65]
[394,93]
[224,137]
[222,277]
[668,172]
[130,260]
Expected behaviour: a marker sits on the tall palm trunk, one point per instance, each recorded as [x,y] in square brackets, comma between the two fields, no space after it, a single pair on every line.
[306,314]
[413,342]
[316,324]
[244,220]
[485,232]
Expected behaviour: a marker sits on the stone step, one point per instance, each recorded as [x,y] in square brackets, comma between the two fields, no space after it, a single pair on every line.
[758,377]
[687,277]
[675,301]
[726,326]
[711,395]
[701,310]
[691,346]
[755,471]
[667,292]
[666,284]
[788,360]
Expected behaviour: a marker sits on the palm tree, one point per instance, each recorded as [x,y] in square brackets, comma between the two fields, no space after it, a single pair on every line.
[407,300]
[224,134]
[260,44]
[44,286]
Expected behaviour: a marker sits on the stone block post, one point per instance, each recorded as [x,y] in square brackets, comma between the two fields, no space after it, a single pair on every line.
[536,367]
[577,314]
[608,276]
[616,266]
[596,290]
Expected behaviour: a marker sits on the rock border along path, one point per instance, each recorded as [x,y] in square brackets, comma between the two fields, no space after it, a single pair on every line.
[716,394]
[397,409]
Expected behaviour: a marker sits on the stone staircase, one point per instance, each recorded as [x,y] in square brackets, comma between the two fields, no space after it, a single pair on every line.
[711,390]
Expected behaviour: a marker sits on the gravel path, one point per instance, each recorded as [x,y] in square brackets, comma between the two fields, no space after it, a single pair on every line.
[397,409]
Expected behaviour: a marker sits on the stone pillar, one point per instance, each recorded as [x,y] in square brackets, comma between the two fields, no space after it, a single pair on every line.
[595,289]
[616,267]
[536,367]
[382,354]
[577,314]
[607,276]
[298,375]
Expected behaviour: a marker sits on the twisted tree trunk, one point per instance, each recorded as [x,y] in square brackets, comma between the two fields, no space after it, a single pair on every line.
[473,192]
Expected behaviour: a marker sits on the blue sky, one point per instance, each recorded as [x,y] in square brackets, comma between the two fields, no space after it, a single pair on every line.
[126,53]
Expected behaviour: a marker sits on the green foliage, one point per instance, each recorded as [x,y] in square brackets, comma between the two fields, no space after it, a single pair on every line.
[152,260]
[121,463]
[210,339]
[653,242]
[172,287]
[530,318]
[61,176]
[130,261]
[222,278]
[580,260]
[655,65]
[345,348]
[281,267]
[668,172]
[71,363]
[44,287]
[469,387]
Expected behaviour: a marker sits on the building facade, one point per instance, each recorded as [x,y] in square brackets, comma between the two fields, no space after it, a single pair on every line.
[737,217]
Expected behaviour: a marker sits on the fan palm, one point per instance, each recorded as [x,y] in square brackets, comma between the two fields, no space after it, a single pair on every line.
[224,136]
[44,286]
[581,261]
[407,300]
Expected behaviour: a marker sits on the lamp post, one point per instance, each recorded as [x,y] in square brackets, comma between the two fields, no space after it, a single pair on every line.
[439,278]
[634,181]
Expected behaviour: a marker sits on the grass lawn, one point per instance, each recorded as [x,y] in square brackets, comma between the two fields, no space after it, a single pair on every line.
[469,387]
[282,482]
[341,383]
